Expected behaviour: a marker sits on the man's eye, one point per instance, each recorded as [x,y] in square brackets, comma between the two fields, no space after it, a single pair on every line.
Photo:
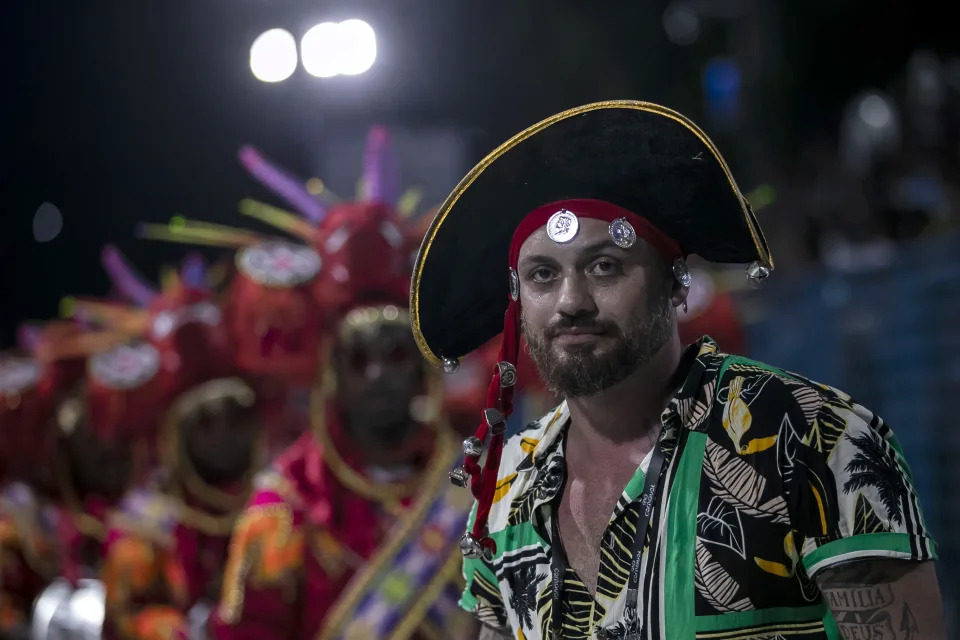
[604,268]
[541,274]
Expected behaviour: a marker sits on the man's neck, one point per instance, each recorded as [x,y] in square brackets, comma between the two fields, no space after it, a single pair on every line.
[627,414]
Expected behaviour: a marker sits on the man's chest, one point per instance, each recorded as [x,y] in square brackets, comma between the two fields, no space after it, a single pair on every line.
[584,513]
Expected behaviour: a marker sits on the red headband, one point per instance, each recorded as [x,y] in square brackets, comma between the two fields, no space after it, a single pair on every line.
[598,210]
[500,392]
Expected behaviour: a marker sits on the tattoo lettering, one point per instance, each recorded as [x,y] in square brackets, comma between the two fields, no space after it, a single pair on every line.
[868,598]
[865,613]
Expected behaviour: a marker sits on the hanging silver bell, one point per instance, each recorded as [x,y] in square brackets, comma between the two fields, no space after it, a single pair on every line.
[508,374]
[682,272]
[495,420]
[459,477]
[451,365]
[757,274]
[471,548]
[472,447]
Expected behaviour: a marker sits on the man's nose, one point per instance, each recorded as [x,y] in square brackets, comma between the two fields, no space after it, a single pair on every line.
[574,298]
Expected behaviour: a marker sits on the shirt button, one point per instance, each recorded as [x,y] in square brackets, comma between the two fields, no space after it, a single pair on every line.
[601,633]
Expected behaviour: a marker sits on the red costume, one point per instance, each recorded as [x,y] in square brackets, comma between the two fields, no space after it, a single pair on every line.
[168,541]
[320,540]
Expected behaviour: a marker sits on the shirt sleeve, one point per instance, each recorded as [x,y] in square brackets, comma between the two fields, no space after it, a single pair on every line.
[849,489]
[481,596]
[262,574]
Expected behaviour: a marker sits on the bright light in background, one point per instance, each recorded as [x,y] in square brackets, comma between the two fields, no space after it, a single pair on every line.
[321,50]
[346,48]
[47,222]
[273,55]
[359,47]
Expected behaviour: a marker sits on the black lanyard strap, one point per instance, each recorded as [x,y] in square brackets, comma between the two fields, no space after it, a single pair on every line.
[559,563]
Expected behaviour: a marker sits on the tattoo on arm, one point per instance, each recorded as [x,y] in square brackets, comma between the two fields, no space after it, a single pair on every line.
[890,599]
[486,633]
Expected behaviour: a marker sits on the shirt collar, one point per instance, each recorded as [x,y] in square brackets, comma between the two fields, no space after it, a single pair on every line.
[689,407]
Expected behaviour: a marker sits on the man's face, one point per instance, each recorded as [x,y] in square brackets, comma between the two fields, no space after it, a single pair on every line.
[220,436]
[379,373]
[592,312]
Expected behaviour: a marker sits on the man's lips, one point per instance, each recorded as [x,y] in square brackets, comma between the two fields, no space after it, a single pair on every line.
[577,335]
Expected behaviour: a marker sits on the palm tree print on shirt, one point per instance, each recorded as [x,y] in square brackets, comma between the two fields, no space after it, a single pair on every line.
[872,466]
[523,592]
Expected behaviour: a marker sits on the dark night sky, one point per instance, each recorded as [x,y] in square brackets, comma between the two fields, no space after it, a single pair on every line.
[120,111]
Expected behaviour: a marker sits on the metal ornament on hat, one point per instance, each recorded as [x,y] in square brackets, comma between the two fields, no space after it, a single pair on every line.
[757,274]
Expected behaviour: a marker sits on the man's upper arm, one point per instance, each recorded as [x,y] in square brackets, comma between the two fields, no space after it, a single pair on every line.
[850,491]
[896,599]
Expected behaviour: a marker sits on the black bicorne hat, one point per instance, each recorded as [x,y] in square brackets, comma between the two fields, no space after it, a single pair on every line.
[640,156]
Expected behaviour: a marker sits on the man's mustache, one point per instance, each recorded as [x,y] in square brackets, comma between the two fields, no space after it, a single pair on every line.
[581,323]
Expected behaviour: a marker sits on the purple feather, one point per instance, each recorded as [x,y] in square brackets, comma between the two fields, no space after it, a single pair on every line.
[380,168]
[128,282]
[28,336]
[194,271]
[283,184]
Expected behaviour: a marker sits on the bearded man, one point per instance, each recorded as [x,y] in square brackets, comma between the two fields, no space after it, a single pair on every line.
[677,492]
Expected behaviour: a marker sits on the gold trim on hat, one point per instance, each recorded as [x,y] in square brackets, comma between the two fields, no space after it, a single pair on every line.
[447,206]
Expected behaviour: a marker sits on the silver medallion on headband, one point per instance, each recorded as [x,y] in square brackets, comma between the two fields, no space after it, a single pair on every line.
[514,285]
[563,226]
[622,233]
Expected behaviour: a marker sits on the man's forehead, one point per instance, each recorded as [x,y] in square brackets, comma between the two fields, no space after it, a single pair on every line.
[590,233]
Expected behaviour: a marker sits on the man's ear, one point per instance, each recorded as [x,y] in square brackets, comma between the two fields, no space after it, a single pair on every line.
[679,294]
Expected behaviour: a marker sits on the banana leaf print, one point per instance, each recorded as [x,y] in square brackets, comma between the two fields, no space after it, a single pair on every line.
[615,560]
[720,525]
[739,484]
[716,585]
[808,398]
[693,410]
[865,519]
[544,489]
[826,430]
[574,628]
[490,610]
[873,466]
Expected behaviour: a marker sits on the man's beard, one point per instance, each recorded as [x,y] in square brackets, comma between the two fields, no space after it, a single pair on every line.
[583,370]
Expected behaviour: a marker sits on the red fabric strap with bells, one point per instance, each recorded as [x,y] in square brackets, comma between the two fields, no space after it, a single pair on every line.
[483,482]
